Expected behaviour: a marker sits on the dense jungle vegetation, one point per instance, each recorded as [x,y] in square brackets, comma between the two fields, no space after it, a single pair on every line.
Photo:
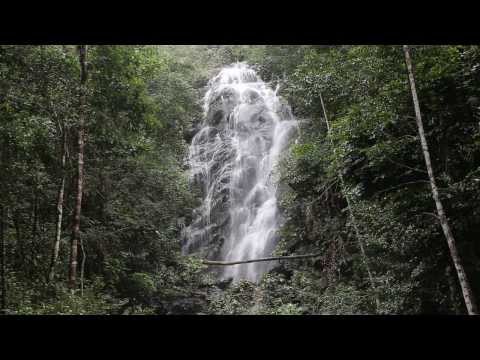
[95,190]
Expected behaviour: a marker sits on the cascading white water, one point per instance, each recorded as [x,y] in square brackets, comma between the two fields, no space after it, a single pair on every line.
[246,128]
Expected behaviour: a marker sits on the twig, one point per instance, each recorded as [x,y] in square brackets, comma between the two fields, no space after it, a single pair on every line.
[328,188]
[401,185]
[406,166]
[431,214]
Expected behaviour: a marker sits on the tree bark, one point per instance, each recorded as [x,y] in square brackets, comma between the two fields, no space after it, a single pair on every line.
[80,164]
[228,263]
[58,229]
[3,303]
[352,217]
[462,276]
[19,251]
[82,267]
[34,235]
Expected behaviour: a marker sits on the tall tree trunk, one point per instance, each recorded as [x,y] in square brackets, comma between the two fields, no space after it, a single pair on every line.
[3,300]
[82,266]
[19,251]
[79,191]
[462,276]
[352,217]
[34,235]
[58,229]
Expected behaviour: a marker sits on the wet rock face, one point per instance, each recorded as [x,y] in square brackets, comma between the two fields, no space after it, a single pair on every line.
[190,132]
[224,284]
[232,159]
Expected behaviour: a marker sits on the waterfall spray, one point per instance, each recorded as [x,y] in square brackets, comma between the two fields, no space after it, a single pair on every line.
[233,157]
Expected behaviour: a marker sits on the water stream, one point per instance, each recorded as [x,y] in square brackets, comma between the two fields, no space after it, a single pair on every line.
[233,157]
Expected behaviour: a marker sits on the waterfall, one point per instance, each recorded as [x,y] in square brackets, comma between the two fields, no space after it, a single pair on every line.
[233,157]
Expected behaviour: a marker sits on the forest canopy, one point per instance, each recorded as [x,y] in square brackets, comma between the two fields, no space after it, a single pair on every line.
[382,182]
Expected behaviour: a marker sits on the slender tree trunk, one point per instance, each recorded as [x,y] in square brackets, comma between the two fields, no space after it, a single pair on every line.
[58,229]
[3,300]
[19,251]
[82,266]
[352,217]
[462,276]
[33,252]
[79,191]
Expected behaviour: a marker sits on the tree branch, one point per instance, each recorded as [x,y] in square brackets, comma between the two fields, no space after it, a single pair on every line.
[405,166]
[227,263]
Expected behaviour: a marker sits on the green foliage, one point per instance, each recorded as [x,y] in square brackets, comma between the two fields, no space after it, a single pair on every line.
[237,299]
[139,102]
[36,299]
[376,148]
[144,101]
